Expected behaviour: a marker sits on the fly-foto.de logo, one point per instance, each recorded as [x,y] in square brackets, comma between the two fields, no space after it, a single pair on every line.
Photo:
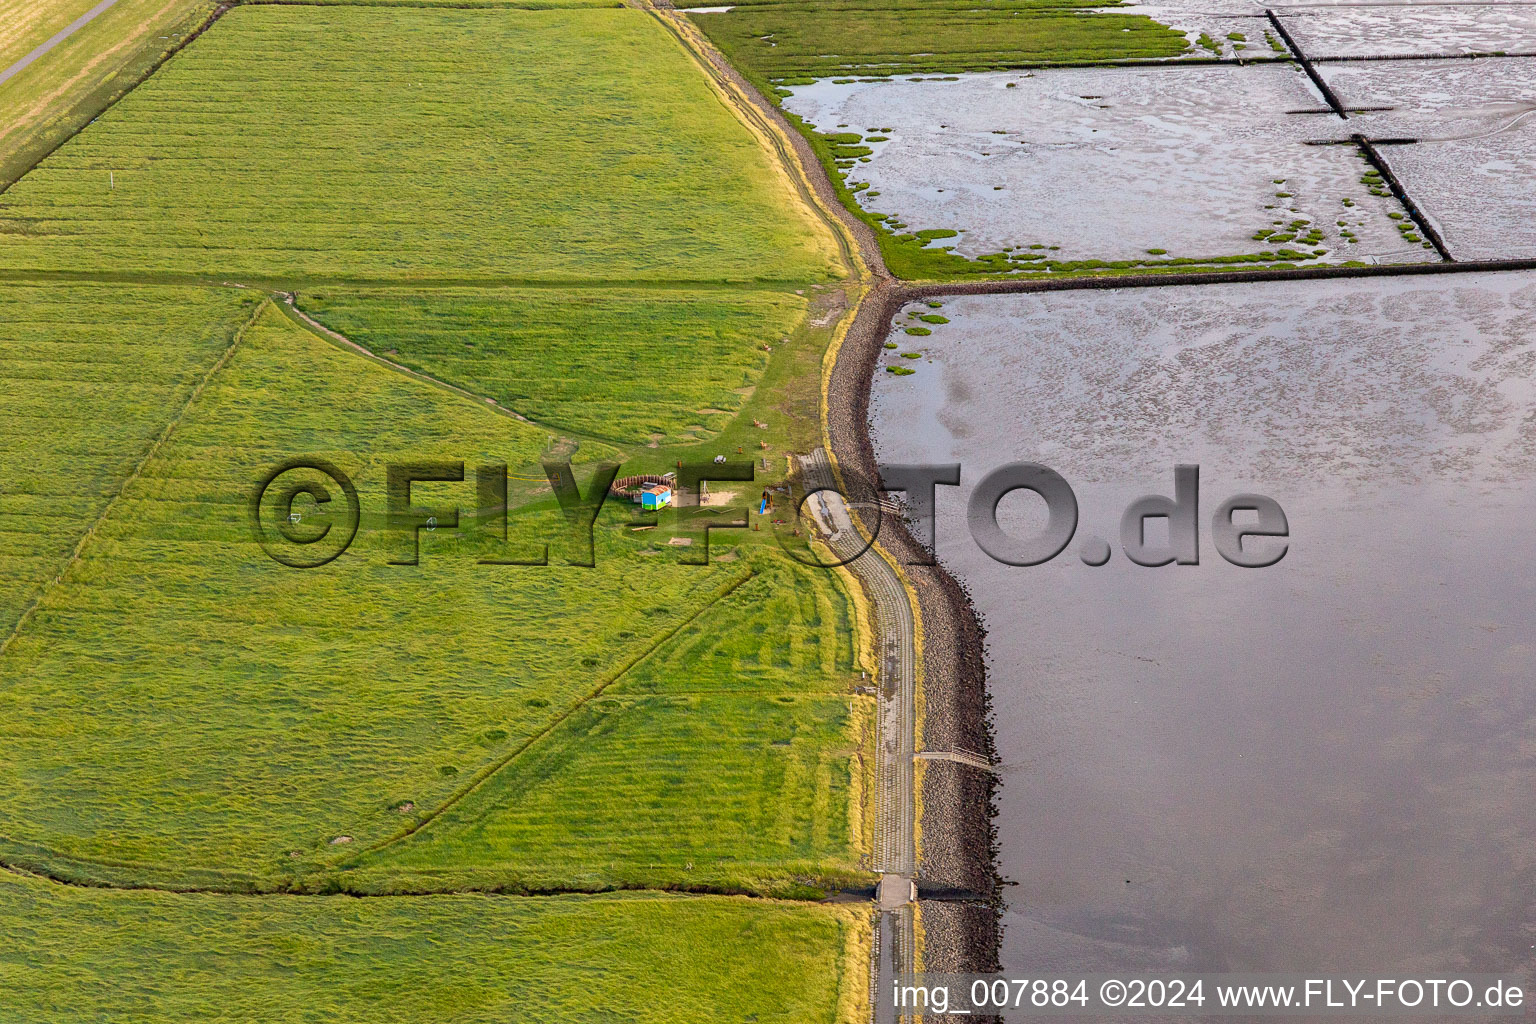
[306,512]
[1249,530]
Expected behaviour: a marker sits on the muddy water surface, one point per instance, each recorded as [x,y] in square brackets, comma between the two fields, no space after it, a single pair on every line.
[1396,30]
[1113,164]
[1473,166]
[1325,764]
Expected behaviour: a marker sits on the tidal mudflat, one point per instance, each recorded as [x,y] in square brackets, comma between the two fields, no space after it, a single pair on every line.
[1231,28]
[1326,763]
[1403,30]
[1113,164]
[1474,160]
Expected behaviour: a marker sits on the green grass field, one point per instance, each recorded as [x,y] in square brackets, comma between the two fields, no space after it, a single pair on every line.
[311,143]
[724,757]
[825,38]
[73,956]
[183,712]
[257,712]
[93,377]
[636,366]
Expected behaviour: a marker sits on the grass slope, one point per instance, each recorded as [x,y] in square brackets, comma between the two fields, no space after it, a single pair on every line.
[93,376]
[61,91]
[631,365]
[724,758]
[403,143]
[645,959]
[822,38]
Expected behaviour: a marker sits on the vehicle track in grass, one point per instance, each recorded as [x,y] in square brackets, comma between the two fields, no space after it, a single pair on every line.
[47,863]
[288,303]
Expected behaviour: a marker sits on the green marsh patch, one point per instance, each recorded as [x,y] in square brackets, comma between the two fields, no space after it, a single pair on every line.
[831,37]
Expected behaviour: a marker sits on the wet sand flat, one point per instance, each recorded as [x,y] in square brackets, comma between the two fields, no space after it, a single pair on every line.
[1324,764]
[1219,23]
[1474,164]
[1112,163]
[1399,30]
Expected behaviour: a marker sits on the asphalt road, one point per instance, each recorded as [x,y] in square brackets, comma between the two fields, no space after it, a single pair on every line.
[58,37]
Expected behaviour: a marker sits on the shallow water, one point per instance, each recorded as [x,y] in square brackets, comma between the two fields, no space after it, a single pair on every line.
[1324,764]
[1395,30]
[1109,164]
[1473,168]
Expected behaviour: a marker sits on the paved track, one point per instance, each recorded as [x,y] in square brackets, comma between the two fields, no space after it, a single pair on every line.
[895,632]
[58,37]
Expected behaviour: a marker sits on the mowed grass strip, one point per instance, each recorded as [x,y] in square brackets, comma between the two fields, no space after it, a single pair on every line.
[727,758]
[630,365]
[850,37]
[76,955]
[93,376]
[740,646]
[305,143]
[182,702]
